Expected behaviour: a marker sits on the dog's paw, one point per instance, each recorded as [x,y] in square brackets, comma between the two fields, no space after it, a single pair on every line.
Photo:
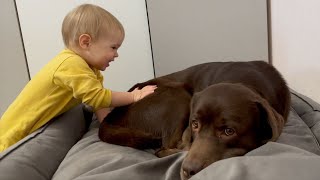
[166,152]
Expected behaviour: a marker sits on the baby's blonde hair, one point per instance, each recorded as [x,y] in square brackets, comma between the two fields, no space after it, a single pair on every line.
[89,19]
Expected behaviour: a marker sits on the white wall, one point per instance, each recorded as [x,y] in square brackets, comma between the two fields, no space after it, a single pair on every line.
[190,32]
[13,69]
[41,23]
[296,44]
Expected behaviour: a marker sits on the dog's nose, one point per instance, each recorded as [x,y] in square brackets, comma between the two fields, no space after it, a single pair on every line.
[191,168]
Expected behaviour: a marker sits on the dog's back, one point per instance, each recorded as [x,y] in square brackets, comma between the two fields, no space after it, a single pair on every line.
[259,75]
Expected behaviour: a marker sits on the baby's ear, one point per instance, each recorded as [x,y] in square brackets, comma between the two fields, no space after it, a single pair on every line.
[84,40]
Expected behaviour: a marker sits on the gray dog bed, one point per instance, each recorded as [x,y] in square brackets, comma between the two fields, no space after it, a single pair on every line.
[67,149]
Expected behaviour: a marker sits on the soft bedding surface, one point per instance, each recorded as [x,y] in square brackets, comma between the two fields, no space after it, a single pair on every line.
[293,156]
[62,150]
[37,156]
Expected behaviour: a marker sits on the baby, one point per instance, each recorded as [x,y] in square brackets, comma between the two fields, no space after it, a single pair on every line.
[92,37]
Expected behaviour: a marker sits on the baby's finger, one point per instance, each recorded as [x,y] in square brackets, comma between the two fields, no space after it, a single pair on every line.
[151,87]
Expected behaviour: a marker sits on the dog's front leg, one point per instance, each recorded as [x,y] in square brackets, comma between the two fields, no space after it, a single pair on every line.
[183,145]
[186,140]
[166,152]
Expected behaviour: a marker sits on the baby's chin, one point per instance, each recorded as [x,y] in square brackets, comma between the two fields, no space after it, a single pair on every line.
[104,67]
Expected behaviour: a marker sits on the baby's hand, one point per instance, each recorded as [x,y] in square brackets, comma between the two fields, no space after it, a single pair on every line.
[141,93]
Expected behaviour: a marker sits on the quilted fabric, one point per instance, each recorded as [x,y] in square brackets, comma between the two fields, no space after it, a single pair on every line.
[38,155]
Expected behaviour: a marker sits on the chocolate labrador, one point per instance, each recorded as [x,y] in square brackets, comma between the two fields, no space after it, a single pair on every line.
[213,110]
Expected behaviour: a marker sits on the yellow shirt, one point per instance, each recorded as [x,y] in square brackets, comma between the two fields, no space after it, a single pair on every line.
[66,81]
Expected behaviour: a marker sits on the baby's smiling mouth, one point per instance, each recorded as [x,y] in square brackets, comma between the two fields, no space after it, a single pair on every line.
[108,62]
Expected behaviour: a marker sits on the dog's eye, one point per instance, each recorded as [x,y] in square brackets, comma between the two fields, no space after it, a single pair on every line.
[229,131]
[195,124]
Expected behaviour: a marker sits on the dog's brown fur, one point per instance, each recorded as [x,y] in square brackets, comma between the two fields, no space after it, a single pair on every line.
[215,110]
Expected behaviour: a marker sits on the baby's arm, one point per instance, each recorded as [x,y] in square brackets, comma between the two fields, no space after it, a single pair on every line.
[75,75]
[102,113]
[124,98]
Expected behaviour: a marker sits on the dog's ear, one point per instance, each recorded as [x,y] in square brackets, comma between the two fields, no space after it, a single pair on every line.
[272,120]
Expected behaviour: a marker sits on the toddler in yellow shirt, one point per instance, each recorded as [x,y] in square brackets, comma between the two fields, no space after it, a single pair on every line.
[92,37]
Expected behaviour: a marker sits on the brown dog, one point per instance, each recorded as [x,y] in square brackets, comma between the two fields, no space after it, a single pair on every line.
[214,110]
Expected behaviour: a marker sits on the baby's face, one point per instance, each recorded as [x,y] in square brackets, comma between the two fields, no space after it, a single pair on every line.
[103,51]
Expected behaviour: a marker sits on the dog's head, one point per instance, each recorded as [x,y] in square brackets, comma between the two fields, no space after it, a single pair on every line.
[228,120]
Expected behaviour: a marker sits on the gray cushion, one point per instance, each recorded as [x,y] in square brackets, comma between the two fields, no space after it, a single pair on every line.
[38,155]
[297,133]
[309,111]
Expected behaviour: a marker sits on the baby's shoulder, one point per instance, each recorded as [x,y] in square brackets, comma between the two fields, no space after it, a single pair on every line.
[71,61]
